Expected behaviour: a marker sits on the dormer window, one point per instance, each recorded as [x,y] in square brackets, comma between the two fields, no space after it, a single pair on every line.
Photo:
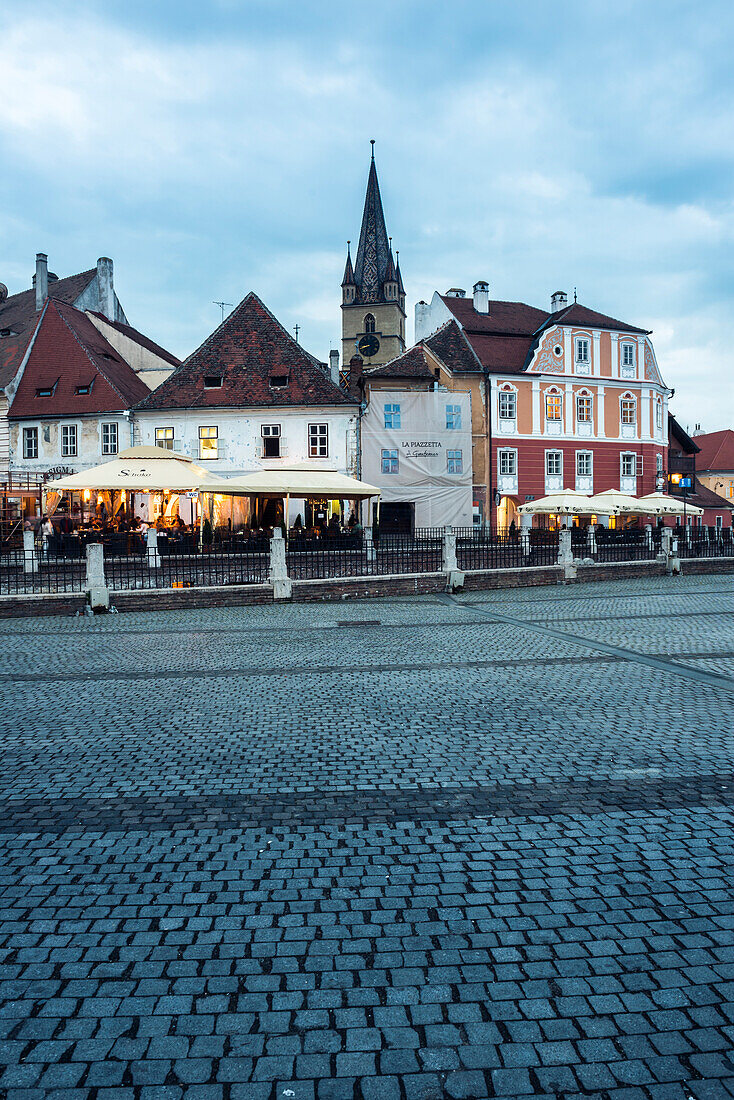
[46,391]
[278,381]
[83,391]
[213,382]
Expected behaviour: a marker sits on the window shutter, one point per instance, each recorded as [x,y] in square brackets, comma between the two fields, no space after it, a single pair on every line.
[177,445]
[221,448]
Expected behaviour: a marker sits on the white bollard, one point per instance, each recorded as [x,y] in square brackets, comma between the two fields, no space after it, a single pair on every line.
[98,594]
[154,557]
[30,561]
[369,546]
[450,565]
[278,577]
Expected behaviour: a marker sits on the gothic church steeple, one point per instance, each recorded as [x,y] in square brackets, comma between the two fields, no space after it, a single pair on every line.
[373,297]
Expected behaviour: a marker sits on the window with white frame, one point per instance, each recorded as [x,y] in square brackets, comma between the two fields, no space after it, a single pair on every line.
[583,353]
[508,405]
[629,465]
[583,463]
[453,417]
[658,464]
[389,461]
[659,415]
[628,410]
[719,522]
[30,443]
[553,406]
[208,441]
[109,439]
[318,440]
[68,440]
[392,416]
[455,462]
[164,438]
[553,463]
[628,355]
[583,408]
[271,440]
[508,463]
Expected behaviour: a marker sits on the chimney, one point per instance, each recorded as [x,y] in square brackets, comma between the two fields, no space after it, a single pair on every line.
[356,382]
[106,288]
[422,320]
[41,280]
[334,366]
[559,300]
[481,296]
[455,292]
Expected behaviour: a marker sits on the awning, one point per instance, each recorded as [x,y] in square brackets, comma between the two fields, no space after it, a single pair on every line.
[613,502]
[303,480]
[141,470]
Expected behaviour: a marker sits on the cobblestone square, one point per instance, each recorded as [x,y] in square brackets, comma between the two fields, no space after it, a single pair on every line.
[402,849]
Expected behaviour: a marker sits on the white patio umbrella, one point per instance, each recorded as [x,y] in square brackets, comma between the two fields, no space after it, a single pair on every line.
[566,502]
[660,504]
[612,502]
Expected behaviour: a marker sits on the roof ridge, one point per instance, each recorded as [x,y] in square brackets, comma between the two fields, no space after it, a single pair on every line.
[465,338]
[92,271]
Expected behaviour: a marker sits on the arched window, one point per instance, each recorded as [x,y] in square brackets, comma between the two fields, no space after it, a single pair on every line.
[369,323]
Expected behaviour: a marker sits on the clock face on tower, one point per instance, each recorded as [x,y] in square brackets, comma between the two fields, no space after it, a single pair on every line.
[368,345]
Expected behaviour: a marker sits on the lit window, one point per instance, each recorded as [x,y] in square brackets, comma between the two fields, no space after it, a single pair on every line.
[164,438]
[30,443]
[453,416]
[583,409]
[455,462]
[389,461]
[68,440]
[271,440]
[392,416]
[208,442]
[628,355]
[629,465]
[582,350]
[508,405]
[109,439]
[553,406]
[554,463]
[508,463]
[318,440]
[583,463]
[629,410]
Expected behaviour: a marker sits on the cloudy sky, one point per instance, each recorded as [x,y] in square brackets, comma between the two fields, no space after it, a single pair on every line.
[216,147]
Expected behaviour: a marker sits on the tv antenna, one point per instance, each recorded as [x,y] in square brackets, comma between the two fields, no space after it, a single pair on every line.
[222,306]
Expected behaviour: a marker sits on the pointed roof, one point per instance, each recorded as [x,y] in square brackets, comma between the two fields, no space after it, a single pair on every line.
[68,353]
[449,344]
[401,288]
[138,338]
[390,273]
[348,279]
[247,351]
[18,314]
[579,315]
[374,250]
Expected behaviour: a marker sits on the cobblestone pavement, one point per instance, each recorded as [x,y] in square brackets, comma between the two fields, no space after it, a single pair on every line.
[410,849]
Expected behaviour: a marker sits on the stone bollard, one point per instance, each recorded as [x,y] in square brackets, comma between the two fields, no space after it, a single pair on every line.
[648,536]
[30,561]
[669,548]
[449,563]
[369,546]
[98,594]
[525,541]
[278,577]
[565,554]
[154,557]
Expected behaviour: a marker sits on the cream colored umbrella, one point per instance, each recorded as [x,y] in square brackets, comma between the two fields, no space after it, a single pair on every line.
[140,470]
[305,479]
[612,502]
[566,502]
[660,504]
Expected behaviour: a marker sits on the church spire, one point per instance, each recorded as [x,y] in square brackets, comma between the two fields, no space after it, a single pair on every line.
[348,279]
[373,253]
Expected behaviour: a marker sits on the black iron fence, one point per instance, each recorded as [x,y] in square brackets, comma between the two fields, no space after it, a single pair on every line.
[182,565]
[628,544]
[505,548]
[705,542]
[38,571]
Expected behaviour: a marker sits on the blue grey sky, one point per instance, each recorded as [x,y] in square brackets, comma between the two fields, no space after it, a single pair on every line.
[212,148]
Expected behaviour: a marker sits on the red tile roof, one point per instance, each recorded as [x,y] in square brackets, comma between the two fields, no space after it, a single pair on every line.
[716,451]
[247,350]
[18,313]
[450,344]
[411,364]
[139,338]
[68,352]
[505,338]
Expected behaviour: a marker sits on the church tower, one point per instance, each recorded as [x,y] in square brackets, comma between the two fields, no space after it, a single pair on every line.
[373,295]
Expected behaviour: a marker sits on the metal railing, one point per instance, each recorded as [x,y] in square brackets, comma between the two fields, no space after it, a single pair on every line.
[706,542]
[182,565]
[632,544]
[506,548]
[25,572]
